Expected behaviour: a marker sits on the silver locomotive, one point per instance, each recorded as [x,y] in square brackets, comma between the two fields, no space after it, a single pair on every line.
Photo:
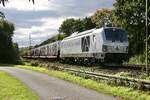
[104,44]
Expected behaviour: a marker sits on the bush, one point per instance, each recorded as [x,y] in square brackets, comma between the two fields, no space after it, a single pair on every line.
[137,59]
[34,63]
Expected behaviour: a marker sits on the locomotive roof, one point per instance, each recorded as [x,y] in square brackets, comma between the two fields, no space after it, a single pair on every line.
[86,32]
[79,34]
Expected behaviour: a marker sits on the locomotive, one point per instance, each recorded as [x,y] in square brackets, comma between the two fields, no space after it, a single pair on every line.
[103,44]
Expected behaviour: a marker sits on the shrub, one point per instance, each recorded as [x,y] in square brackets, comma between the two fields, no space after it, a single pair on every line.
[137,59]
[34,63]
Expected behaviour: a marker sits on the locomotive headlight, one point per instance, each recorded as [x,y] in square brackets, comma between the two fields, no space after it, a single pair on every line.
[105,47]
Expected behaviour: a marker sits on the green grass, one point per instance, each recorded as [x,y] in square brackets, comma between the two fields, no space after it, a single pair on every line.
[121,92]
[13,89]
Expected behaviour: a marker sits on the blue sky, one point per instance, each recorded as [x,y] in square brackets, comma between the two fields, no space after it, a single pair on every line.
[43,19]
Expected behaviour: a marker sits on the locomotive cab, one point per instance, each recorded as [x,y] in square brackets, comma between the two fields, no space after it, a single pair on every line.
[115,44]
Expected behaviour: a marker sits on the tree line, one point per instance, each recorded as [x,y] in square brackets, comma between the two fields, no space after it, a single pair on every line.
[9,52]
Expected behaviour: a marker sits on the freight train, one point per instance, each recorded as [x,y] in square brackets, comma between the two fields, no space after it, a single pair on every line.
[103,44]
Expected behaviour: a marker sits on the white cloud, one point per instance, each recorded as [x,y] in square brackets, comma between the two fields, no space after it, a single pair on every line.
[52,23]
[38,33]
[26,5]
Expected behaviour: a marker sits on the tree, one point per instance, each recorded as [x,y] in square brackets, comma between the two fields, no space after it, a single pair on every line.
[60,36]
[8,52]
[52,39]
[16,53]
[130,14]
[102,17]
[88,24]
[71,25]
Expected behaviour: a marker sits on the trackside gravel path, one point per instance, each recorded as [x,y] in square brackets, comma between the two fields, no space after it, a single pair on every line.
[50,88]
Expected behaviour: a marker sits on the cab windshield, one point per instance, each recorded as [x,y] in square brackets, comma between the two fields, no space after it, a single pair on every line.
[113,34]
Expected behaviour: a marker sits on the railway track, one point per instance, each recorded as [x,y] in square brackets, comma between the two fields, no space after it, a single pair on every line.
[135,65]
[129,66]
[125,81]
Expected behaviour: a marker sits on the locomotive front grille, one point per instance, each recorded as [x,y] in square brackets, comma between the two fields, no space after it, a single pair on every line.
[116,49]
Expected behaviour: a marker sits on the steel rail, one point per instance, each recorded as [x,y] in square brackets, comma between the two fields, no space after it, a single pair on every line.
[142,82]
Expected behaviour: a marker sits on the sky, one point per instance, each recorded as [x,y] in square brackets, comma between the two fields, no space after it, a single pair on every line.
[43,19]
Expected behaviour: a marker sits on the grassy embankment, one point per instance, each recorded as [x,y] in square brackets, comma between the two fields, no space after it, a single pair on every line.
[117,71]
[121,92]
[13,89]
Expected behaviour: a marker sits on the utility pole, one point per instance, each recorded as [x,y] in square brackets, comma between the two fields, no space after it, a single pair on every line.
[146,40]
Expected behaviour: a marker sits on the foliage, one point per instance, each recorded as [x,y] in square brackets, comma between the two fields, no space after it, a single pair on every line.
[34,63]
[88,24]
[70,26]
[8,50]
[53,39]
[98,19]
[137,59]
[16,51]
[3,2]
[102,17]
[144,76]
[13,89]
[130,14]
[122,92]
[60,36]
[32,1]
[23,50]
